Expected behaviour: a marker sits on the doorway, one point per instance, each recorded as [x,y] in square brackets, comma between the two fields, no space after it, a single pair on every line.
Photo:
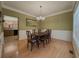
[11,35]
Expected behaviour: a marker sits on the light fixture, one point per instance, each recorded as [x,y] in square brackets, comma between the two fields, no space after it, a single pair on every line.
[40,17]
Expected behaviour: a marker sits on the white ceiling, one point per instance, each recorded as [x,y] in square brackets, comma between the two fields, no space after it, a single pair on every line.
[33,7]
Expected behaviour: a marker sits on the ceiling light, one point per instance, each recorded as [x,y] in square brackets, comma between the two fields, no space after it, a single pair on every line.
[40,17]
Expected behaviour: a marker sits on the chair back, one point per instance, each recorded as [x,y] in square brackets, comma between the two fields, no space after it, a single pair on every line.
[39,31]
[28,33]
[49,32]
[33,31]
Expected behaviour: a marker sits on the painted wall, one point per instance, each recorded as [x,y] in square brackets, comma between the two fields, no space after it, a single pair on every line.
[76,29]
[22,18]
[22,22]
[61,26]
[59,22]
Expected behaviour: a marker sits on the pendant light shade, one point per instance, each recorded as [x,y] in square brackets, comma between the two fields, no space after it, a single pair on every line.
[40,17]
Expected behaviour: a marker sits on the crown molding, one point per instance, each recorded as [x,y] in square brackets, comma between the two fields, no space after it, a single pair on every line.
[16,10]
[19,11]
[61,12]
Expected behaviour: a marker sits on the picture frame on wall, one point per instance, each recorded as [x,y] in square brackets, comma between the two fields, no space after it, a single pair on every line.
[30,22]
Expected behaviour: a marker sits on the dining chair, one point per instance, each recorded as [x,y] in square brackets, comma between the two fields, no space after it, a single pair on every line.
[33,31]
[49,35]
[43,38]
[46,36]
[32,40]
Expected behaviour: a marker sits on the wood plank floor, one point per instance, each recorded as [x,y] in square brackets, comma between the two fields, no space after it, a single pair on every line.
[55,49]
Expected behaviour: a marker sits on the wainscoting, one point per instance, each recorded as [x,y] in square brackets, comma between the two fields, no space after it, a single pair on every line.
[62,35]
[22,34]
[57,34]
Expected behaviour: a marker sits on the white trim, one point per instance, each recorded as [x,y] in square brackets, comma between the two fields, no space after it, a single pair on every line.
[57,13]
[22,34]
[19,11]
[58,34]
[62,35]
[61,12]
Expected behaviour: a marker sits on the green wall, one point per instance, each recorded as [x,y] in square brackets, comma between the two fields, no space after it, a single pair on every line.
[22,18]
[59,22]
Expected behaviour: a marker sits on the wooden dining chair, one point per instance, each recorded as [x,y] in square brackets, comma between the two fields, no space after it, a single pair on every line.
[32,40]
[43,38]
[49,35]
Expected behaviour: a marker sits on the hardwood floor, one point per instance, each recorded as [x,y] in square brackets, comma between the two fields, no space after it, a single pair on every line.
[55,49]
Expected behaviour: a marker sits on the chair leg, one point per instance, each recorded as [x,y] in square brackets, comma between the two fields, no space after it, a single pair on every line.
[31,46]
[27,45]
[43,43]
[49,39]
[37,44]
[46,41]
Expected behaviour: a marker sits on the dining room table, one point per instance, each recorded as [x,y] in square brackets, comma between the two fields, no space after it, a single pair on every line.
[40,36]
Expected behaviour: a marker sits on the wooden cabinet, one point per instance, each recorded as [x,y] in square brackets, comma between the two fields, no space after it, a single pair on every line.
[10,32]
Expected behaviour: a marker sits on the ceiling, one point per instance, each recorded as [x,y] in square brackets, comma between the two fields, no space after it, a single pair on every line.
[33,7]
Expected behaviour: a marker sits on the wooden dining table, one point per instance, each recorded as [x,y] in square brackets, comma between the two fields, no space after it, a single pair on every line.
[37,38]
[40,36]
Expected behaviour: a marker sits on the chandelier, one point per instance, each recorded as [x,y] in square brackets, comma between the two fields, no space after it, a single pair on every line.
[40,17]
